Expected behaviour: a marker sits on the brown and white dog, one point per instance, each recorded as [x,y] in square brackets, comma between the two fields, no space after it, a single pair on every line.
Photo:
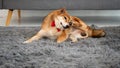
[82,30]
[56,25]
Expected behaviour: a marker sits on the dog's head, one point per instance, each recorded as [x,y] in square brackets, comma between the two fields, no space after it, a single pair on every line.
[62,19]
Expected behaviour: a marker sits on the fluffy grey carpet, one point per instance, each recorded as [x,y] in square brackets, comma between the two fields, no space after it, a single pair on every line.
[87,53]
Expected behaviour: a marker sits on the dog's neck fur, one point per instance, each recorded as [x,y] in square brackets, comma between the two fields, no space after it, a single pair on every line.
[53,25]
[48,19]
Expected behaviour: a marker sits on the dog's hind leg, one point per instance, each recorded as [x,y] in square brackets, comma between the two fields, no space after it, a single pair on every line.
[73,38]
[39,35]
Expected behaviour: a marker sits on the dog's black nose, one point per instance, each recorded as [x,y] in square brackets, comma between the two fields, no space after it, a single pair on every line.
[67,26]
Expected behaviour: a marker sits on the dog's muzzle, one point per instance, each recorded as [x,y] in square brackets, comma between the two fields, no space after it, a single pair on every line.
[67,26]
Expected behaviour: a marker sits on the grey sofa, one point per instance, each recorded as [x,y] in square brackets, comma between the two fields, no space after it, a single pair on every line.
[56,4]
[0,4]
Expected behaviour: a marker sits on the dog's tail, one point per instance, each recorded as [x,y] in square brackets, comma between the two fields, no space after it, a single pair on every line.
[96,33]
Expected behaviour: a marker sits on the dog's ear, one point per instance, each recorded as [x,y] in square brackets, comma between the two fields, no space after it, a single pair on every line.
[62,10]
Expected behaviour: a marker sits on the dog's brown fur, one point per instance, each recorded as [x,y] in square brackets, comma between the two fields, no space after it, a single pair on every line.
[51,32]
[87,31]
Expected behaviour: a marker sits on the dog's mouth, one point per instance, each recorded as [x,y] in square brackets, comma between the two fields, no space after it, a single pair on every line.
[65,27]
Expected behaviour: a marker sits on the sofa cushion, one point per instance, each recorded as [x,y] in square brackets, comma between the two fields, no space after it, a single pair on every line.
[55,4]
[0,4]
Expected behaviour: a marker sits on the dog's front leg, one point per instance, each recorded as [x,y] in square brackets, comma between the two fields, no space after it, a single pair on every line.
[62,37]
[39,35]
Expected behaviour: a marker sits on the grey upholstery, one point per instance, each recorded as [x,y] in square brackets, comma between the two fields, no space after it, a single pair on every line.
[56,4]
[0,4]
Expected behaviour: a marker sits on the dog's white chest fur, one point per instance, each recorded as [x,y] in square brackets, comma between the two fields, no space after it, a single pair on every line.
[53,33]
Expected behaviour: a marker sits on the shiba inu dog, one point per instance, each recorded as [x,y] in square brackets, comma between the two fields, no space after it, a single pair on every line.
[82,30]
[56,25]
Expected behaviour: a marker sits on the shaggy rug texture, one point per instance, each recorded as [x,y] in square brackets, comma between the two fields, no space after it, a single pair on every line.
[101,52]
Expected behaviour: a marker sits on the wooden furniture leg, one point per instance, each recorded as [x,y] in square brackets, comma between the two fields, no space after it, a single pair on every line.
[19,16]
[10,11]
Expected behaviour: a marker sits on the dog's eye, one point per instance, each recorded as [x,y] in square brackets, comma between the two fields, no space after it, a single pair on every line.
[65,18]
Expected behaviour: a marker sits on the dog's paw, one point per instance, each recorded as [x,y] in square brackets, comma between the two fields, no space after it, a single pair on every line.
[25,42]
[59,41]
[74,41]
